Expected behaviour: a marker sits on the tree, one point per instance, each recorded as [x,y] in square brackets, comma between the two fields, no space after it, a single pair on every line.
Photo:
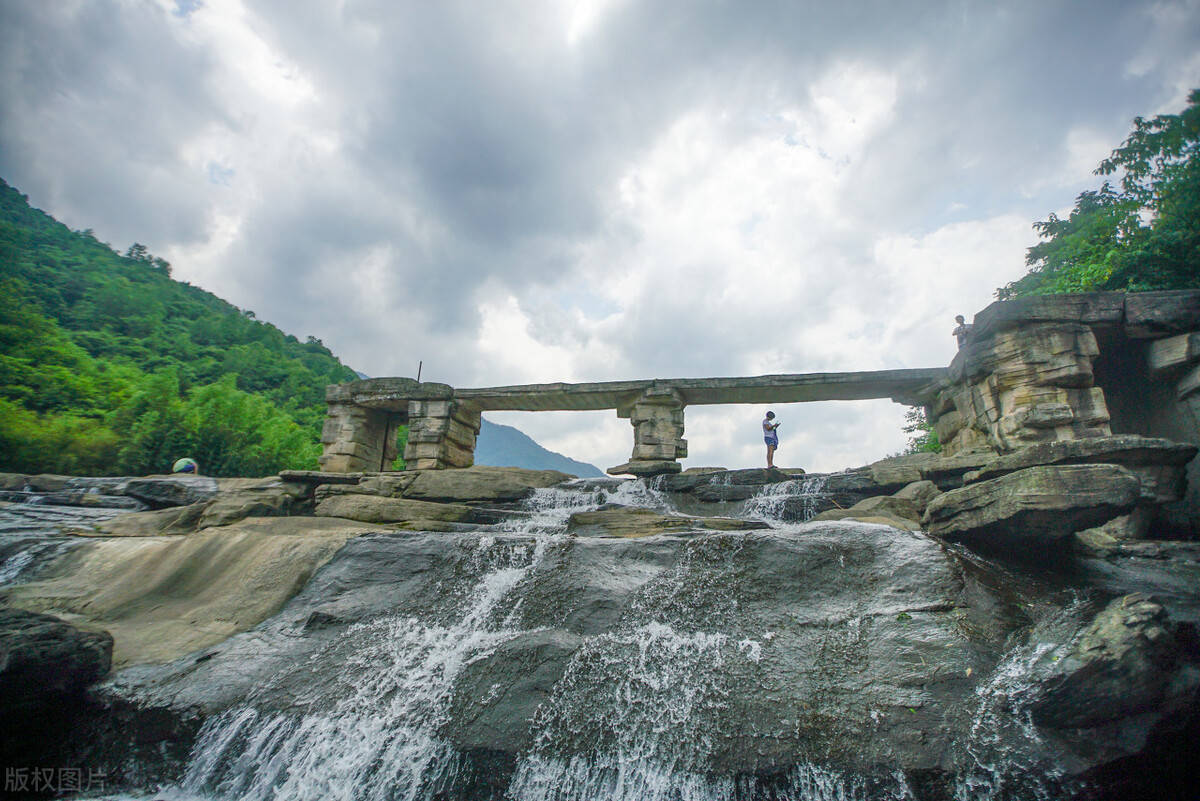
[924,439]
[1141,234]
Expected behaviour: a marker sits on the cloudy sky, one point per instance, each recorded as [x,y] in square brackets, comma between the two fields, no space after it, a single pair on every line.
[585,190]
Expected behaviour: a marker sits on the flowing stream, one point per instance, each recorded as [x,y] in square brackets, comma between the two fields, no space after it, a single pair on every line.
[638,714]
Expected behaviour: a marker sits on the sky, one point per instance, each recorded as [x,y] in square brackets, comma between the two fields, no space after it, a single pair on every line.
[590,190]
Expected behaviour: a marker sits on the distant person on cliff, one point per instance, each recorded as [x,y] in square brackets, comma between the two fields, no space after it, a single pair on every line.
[769,425]
[962,331]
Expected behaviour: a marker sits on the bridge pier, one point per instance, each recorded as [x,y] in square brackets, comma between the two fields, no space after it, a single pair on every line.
[441,434]
[657,419]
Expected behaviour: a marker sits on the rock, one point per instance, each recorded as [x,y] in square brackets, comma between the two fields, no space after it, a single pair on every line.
[13,481]
[46,665]
[481,483]
[880,518]
[889,505]
[1087,308]
[1132,526]
[1027,513]
[485,711]
[272,498]
[315,477]
[172,520]
[161,491]
[633,521]
[920,493]
[375,509]
[1126,663]
[45,662]
[689,481]
[645,467]
[91,500]
[391,485]
[1158,463]
[48,483]
[944,471]
[162,598]
[1159,314]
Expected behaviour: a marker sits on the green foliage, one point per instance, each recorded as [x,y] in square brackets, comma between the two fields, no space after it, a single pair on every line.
[1143,233]
[924,439]
[107,365]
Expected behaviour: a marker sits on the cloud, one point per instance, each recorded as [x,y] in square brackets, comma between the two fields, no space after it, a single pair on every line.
[590,189]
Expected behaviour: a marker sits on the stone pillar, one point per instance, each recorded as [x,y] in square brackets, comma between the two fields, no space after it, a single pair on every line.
[441,434]
[657,419]
[1022,386]
[357,439]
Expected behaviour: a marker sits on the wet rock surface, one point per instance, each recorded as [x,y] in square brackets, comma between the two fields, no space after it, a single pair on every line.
[301,652]
[1033,512]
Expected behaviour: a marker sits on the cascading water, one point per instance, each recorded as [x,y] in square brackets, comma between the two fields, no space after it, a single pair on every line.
[640,712]
[794,500]
[373,734]
[32,534]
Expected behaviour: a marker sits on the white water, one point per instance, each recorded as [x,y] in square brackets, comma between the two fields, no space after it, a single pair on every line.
[777,502]
[635,716]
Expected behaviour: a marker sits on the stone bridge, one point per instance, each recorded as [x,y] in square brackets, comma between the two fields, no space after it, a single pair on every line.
[443,421]
[1034,370]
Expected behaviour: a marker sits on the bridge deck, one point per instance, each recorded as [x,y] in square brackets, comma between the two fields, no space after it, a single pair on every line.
[904,386]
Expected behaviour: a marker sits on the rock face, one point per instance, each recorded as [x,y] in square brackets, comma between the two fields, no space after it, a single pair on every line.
[1032,512]
[633,522]
[1127,662]
[162,597]
[628,649]
[45,666]
[480,483]
[45,661]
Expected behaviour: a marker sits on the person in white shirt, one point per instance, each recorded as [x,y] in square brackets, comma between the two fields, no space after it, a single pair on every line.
[769,424]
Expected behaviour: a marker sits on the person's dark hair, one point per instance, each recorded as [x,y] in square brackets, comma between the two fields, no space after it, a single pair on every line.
[958,318]
[770,415]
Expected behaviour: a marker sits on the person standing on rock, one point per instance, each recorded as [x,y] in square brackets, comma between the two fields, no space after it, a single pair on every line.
[961,331]
[769,425]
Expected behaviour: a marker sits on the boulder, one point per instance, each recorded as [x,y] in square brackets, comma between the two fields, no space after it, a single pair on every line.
[180,490]
[920,493]
[91,500]
[271,498]
[45,662]
[1160,314]
[164,597]
[880,518]
[172,520]
[376,509]
[315,477]
[1026,512]
[1126,663]
[1158,463]
[946,472]
[634,521]
[496,697]
[646,467]
[887,510]
[46,482]
[13,481]
[481,483]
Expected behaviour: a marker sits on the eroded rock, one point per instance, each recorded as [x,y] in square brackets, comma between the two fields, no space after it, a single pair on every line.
[1028,513]
[632,521]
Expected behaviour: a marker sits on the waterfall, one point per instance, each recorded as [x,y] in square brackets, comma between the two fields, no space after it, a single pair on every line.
[794,500]
[373,735]
[643,710]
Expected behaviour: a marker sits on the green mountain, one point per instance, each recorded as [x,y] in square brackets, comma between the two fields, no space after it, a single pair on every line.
[109,366]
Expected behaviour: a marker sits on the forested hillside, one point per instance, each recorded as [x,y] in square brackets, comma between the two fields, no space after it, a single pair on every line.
[109,366]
